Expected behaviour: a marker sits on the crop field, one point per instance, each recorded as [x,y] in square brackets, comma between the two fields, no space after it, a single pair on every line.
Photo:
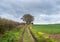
[50,29]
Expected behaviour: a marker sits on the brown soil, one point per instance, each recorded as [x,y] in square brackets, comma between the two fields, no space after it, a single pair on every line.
[55,36]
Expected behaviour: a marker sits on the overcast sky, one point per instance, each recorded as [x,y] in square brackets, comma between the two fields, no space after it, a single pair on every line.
[44,11]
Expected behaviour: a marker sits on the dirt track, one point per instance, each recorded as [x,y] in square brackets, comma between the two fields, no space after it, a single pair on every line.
[28,36]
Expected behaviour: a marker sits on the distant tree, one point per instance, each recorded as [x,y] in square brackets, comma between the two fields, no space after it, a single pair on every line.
[28,18]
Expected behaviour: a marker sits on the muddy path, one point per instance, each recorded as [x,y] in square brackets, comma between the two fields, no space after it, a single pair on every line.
[28,36]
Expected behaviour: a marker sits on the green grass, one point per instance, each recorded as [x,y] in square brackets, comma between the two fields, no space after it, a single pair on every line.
[49,29]
[12,36]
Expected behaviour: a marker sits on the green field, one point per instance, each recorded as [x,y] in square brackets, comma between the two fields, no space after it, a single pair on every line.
[50,29]
[16,35]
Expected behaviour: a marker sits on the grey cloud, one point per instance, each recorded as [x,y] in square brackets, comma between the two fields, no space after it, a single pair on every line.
[16,7]
[35,7]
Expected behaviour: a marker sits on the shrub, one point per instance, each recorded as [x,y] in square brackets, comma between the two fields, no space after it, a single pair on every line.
[6,25]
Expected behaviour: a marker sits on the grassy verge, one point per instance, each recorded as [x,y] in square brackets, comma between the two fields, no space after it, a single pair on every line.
[12,36]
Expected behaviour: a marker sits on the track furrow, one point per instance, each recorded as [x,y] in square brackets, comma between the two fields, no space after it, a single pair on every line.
[33,36]
[28,36]
[22,37]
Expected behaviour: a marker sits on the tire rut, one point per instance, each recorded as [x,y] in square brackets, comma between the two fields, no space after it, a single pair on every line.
[33,36]
[22,37]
